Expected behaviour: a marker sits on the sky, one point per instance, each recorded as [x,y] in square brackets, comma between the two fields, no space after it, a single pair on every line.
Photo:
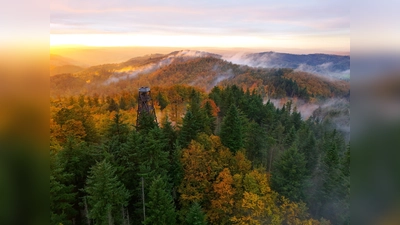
[305,25]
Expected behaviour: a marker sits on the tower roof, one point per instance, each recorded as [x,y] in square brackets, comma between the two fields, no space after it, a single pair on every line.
[144,89]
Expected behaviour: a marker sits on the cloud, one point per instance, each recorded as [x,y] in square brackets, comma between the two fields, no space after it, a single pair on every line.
[265,19]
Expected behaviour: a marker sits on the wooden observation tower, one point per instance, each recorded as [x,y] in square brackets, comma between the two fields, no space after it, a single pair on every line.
[145,104]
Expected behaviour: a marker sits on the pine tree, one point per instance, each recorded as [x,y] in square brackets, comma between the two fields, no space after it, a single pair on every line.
[145,123]
[169,133]
[112,105]
[76,158]
[290,138]
[153,157]
[162,101]
[117,135]
[189,129]
[210,125]
[62,195]
[195,216]
[106,194]
[160,209]
[256,144]
[289,174]
[232,130]
[122,103]
[81,100]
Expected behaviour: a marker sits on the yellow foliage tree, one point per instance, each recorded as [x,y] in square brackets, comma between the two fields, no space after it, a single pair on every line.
[196,181]
[222,203]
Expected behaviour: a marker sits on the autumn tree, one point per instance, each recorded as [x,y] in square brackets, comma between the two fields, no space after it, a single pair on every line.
[196,182]
[222,203]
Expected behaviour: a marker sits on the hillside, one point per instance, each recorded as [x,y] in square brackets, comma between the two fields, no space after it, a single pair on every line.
[334,66]
[60,65]
[200,69]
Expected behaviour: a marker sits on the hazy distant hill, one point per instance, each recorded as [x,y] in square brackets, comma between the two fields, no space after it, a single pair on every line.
[60,64]
[335,66]
[201,69]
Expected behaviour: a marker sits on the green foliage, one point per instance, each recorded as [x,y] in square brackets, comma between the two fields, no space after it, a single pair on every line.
[123,104]
[232,135]
[153,157]
[189,129]
[256,144]
[289,174]
[62,195]
[113,105]
[162,101]
[117,134]
[145,122]
[160,207]
[195,216]
[106,195]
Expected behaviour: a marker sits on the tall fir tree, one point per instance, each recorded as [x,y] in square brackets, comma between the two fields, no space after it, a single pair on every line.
[117,134]
[153,157]
[122,103]
[160,208]
[189,129]
[106,195]
[256,144]
[232,135]
[62,195]
[289,174]
[195,216]
[112,105]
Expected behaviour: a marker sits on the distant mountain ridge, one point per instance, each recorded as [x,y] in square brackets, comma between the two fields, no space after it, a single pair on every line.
[334,66]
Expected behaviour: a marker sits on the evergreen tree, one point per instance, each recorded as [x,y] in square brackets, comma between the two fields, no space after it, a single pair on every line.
[152,155]
[77,158]
[112,105]
[90,101]
[289,174]
[290,137]
[122,103]
[117,135]
[170,134]
[209,125]
[81,100]
[189,129]
[160,209]
[62,195]
[145,123]
[106,194]
[308,147]
[162,101]
[195,216]
[256,144]
[232,130]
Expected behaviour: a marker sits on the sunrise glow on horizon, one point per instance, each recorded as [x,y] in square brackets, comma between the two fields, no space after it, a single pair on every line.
[221,24]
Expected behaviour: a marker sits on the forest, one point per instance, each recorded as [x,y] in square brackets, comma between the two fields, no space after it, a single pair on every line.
[200,72]
[218,157]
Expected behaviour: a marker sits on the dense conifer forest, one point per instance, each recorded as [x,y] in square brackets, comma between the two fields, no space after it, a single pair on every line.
[218,157]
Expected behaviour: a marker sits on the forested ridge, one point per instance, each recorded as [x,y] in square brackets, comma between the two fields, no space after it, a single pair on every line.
[218,157]
[203,72]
